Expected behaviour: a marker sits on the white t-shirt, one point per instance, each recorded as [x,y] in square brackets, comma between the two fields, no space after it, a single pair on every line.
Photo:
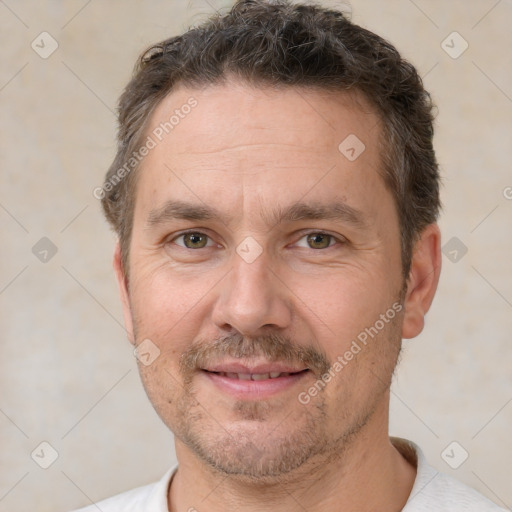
[432,491]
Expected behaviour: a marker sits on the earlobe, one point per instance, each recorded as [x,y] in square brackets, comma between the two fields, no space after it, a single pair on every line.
[423,280]
[123,292]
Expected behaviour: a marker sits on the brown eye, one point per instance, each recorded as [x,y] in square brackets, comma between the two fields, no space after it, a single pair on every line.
[319,240]
[194,240]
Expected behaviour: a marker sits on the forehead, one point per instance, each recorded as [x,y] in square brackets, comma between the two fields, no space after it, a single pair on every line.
[237,144]
[236,112]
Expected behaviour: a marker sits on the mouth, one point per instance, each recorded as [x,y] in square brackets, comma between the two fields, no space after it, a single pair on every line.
[256,376]
[256,382]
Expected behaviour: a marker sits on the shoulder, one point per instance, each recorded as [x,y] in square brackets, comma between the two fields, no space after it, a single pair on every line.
[129,501]
[435,491]
[444,493]
[151,497]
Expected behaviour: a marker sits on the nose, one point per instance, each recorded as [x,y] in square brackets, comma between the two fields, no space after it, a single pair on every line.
[252,299]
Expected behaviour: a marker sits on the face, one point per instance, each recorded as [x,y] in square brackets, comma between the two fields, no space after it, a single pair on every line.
[265,272]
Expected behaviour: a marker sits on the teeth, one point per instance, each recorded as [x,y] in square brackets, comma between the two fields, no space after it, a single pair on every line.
[259,376]
[254,376]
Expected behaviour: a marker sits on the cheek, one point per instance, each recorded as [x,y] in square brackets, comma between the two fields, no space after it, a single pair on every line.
[163,386]
[342,307]
[167,308]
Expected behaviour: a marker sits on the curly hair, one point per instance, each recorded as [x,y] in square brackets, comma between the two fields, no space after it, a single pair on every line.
[280,44]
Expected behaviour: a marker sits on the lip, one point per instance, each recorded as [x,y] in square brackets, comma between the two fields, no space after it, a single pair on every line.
[253,389]
[238,367]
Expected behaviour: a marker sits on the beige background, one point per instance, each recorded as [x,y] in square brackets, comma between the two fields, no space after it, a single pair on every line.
[67,374]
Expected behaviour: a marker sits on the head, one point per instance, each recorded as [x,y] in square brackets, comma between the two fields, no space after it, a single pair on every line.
[275,194]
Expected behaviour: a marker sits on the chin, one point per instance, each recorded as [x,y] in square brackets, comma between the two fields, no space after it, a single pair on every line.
[253,447]
[247,459]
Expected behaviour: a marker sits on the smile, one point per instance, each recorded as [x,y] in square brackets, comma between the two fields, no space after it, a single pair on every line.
[254,385]
[253,376]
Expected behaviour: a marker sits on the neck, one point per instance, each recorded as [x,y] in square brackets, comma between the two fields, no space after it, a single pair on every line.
[367,474]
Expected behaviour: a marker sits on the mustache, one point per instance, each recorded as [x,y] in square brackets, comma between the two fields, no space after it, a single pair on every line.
[273,347]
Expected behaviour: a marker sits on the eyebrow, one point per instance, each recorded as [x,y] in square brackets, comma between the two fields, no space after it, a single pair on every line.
[176,209]
[299,211]
[338,210]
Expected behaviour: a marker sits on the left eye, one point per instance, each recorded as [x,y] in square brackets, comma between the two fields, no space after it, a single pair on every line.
[193,240]
[317,240]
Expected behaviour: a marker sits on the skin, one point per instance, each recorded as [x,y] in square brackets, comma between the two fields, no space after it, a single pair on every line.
[247,151]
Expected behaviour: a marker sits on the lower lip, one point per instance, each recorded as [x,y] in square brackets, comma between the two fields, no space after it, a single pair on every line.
[255,389]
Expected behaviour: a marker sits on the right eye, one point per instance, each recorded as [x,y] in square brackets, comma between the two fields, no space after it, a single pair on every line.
[193,240]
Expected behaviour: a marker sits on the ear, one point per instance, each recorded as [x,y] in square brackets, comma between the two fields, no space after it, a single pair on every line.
[423,280]
[123,292]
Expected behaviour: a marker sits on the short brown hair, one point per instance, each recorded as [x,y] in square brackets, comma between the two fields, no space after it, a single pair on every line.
[279,44]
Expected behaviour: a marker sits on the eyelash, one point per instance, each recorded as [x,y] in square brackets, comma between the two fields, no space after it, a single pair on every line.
[339,241]
[194,232]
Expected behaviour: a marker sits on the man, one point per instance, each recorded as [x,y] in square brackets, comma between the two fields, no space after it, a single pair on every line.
[275,194]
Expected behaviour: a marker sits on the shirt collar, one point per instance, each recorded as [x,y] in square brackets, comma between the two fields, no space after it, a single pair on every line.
[157,500]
